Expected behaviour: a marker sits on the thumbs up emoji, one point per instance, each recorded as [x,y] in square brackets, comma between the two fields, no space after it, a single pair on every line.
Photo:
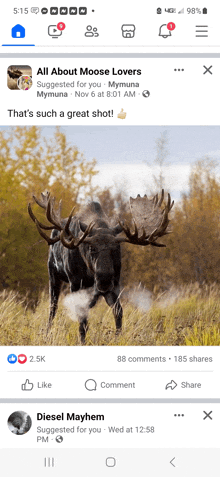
[122,114]
[27,386]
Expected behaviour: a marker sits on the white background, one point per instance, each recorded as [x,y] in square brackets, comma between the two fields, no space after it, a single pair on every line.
[190,97]
[108,19]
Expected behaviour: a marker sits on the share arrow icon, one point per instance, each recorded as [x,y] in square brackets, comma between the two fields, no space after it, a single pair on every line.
[172,385]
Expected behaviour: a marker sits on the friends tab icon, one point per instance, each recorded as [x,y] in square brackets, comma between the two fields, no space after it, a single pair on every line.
[91,32]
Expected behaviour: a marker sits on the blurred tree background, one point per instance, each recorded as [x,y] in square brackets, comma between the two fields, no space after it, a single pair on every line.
[30,164]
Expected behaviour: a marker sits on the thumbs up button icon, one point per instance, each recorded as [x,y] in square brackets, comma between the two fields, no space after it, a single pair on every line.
[27,386]
[12,358]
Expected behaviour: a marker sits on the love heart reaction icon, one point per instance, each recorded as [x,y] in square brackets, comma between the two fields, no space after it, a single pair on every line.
[22,358]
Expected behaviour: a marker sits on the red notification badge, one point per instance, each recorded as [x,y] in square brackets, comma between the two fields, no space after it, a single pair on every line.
[61,26]
[171,26]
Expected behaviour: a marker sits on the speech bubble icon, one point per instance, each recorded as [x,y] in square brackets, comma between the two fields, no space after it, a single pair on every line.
[91,385]
[35,10]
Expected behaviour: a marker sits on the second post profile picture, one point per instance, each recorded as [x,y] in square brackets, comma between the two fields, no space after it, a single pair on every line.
[19,422]
[19,77]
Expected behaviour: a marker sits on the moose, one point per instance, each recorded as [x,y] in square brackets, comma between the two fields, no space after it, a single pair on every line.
[85,249]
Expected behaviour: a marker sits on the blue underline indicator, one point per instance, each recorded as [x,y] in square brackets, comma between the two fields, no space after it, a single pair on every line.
[18,45]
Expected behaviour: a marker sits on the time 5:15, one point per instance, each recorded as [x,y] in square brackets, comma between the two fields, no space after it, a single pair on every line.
[20,10]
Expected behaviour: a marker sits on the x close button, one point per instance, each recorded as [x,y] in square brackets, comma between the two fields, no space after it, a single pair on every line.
[207,414]
[207,70]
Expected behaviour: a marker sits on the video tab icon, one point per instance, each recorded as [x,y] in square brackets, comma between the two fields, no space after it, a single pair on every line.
[54,31]
[73,10]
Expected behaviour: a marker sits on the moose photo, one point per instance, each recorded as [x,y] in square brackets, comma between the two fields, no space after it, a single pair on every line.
[117,263]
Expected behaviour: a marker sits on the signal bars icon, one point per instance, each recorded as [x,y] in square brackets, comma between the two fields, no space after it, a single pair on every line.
[204,11]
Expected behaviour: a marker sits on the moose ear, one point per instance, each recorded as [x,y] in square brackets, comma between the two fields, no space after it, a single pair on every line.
[117,230]
[83,226]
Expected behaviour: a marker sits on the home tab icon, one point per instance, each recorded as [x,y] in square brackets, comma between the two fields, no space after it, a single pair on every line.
[18,31]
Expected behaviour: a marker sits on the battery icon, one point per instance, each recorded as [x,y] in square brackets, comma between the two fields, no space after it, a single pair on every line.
[205,11]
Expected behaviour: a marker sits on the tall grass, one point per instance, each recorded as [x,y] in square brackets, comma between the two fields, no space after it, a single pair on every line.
[186,316]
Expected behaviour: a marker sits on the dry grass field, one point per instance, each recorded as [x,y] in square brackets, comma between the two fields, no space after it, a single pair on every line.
[187,316]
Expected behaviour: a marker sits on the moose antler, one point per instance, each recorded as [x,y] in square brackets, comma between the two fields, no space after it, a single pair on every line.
[54,217]
[45,204]
[150,221]
[73,243]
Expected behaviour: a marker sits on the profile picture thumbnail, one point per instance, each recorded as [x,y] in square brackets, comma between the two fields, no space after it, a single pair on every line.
[19,77]
[19,422]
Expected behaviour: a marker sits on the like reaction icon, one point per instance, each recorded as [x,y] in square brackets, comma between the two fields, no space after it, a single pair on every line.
[12,358]
[27,386]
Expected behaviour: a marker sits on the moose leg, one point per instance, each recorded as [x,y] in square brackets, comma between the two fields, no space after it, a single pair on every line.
[94,300]
[83,328]
[55,287]
[112,300]
[83,312]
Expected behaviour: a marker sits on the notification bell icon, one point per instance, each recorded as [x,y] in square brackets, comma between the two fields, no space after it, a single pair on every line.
[164,32]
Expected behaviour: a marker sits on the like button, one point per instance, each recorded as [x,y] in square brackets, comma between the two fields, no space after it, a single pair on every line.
[27,386]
